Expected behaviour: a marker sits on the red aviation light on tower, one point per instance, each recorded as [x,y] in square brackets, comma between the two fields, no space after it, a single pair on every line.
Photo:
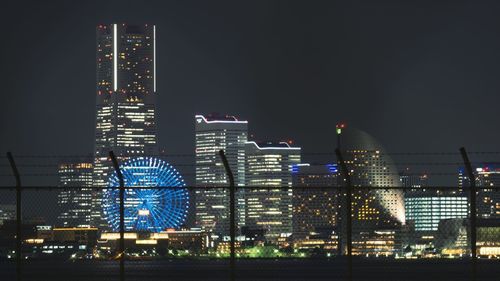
[339,127]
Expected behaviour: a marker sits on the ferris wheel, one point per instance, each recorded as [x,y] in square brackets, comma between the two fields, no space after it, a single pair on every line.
[155,196]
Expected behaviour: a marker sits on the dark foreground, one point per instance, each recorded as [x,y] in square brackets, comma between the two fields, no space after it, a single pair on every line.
[255,270]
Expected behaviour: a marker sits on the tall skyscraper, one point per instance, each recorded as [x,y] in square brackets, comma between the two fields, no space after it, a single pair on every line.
[377,200]
[269,186]
[75,200]
[315,198]
[488,194]
[126,89]
[213,133]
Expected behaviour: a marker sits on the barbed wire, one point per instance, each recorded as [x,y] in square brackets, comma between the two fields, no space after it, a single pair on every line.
[312,163]
[332,153]
[271,175]
[269,187]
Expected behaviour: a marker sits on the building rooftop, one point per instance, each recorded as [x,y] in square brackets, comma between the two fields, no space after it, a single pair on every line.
[272,145]
[216,117]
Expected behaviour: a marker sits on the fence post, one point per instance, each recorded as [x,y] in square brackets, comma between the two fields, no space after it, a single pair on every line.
[348,215]
[122,214]
[19,254]
[232,226]
[473,211]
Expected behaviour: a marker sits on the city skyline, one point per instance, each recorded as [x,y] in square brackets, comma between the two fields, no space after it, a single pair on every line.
[215,136]
[126,93]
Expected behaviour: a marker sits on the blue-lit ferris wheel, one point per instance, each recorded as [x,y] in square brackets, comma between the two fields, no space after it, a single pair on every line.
[158,202]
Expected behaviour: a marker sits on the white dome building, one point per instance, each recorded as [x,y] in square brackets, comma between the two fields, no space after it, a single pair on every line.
[370,166]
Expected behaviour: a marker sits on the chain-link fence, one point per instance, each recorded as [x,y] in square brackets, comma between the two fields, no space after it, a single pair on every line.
[320,221]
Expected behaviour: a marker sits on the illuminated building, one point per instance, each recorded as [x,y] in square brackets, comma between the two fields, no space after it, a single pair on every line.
[375,243]
[126,93]
[45,232]
[74,241]
[315,197]
[488,194]
[213,133]
[326,242]
[426,208]
[377,200]
[370,170]
[409,180]
[63,242]
[451,237]
[488,237]
[82,235]
[75,200]
[223,248]
[8,230]
[7,212]
[194,240]
[269,187]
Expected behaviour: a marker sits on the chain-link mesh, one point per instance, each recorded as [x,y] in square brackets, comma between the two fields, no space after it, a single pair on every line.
[411,230]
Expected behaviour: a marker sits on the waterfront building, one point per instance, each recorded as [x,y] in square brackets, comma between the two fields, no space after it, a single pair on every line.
[426,208]
[268,191]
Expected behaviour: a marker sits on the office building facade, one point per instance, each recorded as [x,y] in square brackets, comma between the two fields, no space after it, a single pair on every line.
[75,199]
[214,133]
[315,198]
[426,208]
[488,193]
[268,191]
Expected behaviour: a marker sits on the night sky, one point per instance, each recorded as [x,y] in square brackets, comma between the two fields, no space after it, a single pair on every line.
[420,76]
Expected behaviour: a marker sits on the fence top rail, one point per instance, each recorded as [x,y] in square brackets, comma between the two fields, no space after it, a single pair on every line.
[426,188]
